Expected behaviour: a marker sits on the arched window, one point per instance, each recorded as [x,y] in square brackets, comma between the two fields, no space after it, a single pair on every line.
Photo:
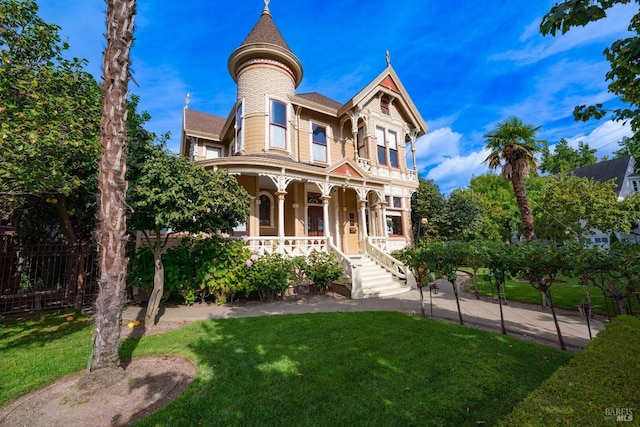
[266,210]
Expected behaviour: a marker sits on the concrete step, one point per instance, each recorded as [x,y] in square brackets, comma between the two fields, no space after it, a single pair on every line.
[377,282]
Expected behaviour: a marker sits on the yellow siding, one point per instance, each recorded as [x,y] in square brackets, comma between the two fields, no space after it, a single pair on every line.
[254,134]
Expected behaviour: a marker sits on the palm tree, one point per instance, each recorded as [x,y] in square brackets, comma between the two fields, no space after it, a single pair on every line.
[512,145]
[112,186]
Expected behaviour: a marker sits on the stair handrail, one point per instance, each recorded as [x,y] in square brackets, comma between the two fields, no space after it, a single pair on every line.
[392,265]
[343,260]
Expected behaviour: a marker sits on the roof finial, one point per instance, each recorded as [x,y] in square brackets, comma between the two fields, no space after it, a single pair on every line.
[388,58]
[266,7]
[187,100]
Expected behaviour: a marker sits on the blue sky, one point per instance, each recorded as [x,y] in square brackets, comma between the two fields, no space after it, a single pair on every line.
[466,65]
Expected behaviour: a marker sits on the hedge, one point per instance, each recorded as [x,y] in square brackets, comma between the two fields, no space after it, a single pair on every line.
[594,388]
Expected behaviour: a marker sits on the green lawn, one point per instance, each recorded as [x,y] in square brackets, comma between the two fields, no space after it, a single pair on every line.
[567,294]
[366,368]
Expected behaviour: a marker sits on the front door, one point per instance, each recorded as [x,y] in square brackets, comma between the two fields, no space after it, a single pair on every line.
[315,221]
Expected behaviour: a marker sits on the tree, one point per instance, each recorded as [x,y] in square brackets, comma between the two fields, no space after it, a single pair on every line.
[112,186]
[616,272]
[170,194]
[622,55]
[49,125]
[512,145]
[564,158]
[570,206]
[540,263]
[427,205]
[629,147]
[500,204]
[497,258]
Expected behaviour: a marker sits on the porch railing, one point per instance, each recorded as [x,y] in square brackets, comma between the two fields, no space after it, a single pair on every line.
[385,260]
[288,246]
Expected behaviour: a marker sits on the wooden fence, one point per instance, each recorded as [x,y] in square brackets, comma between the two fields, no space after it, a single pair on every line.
[45,276]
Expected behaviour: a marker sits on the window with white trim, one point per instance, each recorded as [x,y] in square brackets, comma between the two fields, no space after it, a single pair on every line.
[239,140]
[387,144]
[319,143]
[394,223]
[278,125]
[213,152]
[265,209]
[381,145]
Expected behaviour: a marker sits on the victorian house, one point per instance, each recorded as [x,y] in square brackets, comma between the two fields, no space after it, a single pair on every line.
[324,175]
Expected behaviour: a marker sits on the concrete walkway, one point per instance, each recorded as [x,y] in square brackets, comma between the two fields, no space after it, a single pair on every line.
[521,320]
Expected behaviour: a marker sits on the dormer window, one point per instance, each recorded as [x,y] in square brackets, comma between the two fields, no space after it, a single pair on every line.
[384,106]
[278,125]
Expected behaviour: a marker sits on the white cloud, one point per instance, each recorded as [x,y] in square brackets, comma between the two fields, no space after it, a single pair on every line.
[604,138]
[436,146]
[456,172]
[612,27]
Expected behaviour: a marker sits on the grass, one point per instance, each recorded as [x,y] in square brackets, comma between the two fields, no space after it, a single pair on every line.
[604,378]
[365,368]
[567,294]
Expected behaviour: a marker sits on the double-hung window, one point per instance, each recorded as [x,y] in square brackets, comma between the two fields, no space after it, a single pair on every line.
[392,142]
[213,152]
[319,143]
[278,125]
[381,143]
[387,143]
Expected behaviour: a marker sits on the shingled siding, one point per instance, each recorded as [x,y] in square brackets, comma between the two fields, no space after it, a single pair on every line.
[258,81]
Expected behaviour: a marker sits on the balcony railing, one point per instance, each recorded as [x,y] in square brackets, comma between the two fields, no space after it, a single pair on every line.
[384,172]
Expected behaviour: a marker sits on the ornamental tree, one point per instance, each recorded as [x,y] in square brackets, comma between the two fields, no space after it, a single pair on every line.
[541,263]
[169,194]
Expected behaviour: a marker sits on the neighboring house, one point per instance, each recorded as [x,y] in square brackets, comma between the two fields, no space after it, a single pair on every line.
[621,171]
[324,175]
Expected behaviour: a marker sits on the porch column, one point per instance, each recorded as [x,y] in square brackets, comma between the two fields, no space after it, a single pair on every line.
[281,195]
[363,219]
[325,216]
[385,232]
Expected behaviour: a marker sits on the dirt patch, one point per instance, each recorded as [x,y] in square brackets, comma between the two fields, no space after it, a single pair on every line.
[145,385]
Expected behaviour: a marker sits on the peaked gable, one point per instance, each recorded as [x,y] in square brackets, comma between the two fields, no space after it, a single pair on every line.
[347,167]
[389,80]
[614,169]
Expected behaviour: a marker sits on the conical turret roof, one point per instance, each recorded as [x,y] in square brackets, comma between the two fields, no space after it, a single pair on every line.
[265,31]
[265,42]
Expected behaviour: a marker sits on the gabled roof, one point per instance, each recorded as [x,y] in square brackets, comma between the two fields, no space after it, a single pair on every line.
[203,124]
[615,169]
[390,81]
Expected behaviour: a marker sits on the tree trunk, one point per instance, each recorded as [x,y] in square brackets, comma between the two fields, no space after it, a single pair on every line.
[504,329]
[555,320]
[158,290]
[455,292]
[520,192]
[112,186]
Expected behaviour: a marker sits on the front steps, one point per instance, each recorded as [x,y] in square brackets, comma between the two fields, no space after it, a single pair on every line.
[376,281]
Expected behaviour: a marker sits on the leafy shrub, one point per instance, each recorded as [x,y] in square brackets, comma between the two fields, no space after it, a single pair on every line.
[270,275]
[323,268]
[221,267]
